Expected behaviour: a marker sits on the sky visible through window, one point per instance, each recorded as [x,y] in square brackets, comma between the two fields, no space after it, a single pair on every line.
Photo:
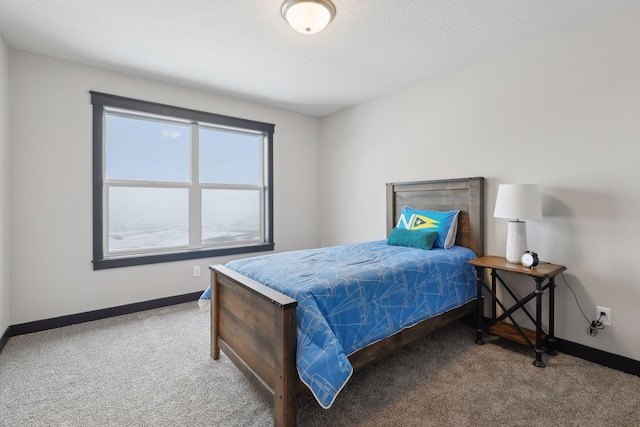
[157,216]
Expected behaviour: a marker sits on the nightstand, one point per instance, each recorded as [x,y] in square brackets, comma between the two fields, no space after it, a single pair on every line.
[544,276]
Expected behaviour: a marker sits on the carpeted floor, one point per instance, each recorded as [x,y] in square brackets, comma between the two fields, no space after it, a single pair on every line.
[153,369]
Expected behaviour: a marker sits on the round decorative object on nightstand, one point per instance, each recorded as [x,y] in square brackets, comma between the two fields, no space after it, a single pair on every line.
[529,259]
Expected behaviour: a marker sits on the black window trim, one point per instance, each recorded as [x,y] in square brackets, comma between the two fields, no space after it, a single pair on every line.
[102,100]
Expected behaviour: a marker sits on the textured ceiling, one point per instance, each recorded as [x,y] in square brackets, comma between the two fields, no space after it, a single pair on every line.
[244,49]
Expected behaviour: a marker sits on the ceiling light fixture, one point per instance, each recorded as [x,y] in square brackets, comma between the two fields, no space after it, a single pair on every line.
[308,16]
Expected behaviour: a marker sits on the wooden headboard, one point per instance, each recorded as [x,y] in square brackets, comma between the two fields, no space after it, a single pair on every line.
[465,194]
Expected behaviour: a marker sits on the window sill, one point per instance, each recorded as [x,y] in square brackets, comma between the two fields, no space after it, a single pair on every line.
[102,264]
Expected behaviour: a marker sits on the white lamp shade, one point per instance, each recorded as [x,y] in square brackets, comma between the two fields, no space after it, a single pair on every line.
[518,201]
[308,17]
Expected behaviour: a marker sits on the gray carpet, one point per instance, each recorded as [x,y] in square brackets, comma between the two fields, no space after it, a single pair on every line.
[153,369]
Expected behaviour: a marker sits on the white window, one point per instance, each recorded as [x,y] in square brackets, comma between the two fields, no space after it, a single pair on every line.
[173,184]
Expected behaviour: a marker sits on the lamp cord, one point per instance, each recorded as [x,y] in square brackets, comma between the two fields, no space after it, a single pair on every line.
[595,325]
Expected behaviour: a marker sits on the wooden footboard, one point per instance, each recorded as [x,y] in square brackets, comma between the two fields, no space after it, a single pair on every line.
[255,327]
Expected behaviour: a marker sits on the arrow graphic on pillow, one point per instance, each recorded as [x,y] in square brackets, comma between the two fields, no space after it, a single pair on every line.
[420,222]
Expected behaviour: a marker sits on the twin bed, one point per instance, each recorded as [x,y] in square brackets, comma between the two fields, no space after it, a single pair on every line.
[305,320]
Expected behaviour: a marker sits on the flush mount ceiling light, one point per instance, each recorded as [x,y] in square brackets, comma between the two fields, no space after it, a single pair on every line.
[308,16]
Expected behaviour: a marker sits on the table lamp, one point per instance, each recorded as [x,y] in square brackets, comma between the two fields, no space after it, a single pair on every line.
[517,202]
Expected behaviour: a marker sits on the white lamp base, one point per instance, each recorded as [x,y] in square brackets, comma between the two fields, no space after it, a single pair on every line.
[516,241]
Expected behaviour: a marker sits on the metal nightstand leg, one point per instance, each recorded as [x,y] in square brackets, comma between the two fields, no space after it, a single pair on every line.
[480,306]
[551,347]
[539,292]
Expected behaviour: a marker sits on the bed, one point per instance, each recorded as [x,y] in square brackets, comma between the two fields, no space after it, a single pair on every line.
[257,327]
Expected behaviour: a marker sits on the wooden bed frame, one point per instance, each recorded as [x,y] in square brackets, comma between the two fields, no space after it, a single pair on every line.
[255,326]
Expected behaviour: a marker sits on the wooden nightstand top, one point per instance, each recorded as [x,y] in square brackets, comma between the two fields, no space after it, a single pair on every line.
[542,270]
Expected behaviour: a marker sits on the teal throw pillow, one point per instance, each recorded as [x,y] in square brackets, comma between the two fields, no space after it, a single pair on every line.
[444,222]
[422,239]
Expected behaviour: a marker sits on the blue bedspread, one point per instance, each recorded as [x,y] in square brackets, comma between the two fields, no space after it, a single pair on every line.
[353,295]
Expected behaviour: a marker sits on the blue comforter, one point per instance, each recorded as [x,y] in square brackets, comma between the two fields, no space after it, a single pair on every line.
[353,295]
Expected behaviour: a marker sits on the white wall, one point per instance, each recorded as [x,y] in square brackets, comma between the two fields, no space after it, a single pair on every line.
[51,224]
[4,188]
[563,112]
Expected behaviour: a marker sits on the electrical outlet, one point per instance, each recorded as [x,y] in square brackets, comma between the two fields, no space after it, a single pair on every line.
[606,317]
[196,271]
